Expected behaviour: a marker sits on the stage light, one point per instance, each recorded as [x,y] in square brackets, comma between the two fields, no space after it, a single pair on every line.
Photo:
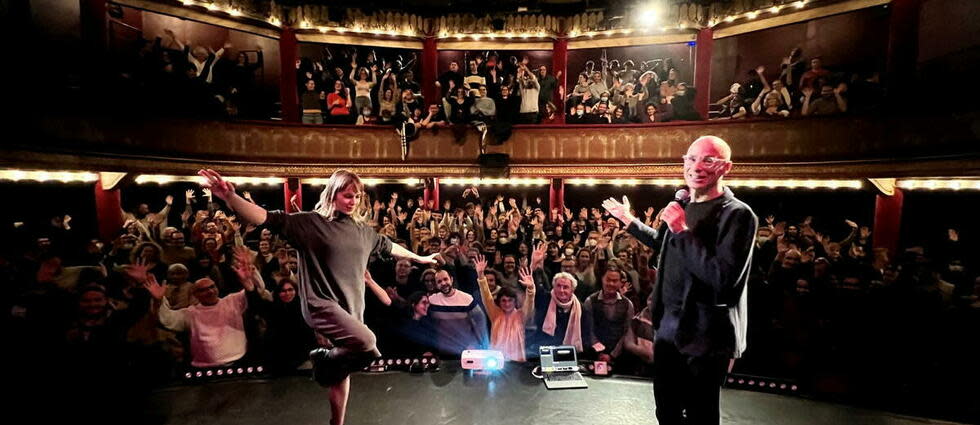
[793,388]
[239,370]
[198,374]
[323,29]
[752,382]
[936,184]
[212,6]
[250,370]
[188,375]
[220,372]
[800,4]
[209,373]
[752,15]
[741,381]
[398,362]
[234,12]
[731,380]
[729,19]
[259,369]
[230,371]
[774,9]
[45,176]
[186,2]
[782,386]
[649,14]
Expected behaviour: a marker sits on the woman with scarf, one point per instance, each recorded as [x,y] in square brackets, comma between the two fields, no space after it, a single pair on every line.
[559,314]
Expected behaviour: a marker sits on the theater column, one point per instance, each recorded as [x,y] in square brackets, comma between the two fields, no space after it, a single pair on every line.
[430,69]
[93,25]
[702,70]
[556,196]
[559,62]
[903,43]
[430,196]
[888,220]
[108,205]
[288,88]
[293,187]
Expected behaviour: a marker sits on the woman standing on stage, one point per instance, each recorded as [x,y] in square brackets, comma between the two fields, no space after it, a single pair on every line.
[334,246]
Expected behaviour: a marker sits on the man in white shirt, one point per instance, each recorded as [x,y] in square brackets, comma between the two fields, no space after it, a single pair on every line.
[216,325]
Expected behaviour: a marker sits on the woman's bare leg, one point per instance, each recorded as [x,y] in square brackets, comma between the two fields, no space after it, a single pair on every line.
[338,395]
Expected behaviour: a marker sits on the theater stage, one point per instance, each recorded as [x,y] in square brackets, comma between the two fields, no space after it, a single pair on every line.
[453,396]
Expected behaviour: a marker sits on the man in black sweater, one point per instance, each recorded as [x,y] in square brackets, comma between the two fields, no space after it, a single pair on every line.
[699,305]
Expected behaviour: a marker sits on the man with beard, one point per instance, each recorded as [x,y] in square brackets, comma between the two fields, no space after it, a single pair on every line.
[459,321]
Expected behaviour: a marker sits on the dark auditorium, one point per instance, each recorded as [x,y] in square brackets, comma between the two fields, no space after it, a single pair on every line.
[462,212]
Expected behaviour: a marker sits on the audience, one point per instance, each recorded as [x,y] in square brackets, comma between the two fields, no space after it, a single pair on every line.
[821,298]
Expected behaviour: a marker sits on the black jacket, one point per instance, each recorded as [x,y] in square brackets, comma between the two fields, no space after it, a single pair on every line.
[717,256]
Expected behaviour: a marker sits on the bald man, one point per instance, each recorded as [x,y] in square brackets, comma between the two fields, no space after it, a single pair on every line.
[698,307]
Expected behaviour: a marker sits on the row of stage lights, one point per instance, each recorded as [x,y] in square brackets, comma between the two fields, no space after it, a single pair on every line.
[955,184]
[760,383]
[222,372]
[649,16]
[756,13]
[419,364]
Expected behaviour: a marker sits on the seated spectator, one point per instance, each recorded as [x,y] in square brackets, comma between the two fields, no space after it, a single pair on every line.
[609,313]
[656,113]
[811,78]
[459,322]
[450,79]
[289,339]
[339,104]
[683,103]
[507,321]
[178,290]
[550,115]
[216,326]
[578,93]
[435,118]
[577,115]
[733,105]
[830,102]
[559,316]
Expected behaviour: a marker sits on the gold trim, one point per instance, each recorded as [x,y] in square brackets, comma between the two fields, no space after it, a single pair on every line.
[185,13]
[497,44]
[804,14]
[630,41]
[357,40]
[823,170]
[886,186]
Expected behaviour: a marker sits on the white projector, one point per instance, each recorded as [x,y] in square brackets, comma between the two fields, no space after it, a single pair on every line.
[482,359]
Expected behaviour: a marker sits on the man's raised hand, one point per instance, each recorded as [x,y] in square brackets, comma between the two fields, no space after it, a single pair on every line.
[216,184]
[620,210]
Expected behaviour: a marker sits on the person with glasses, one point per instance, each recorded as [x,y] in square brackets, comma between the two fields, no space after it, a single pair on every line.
[699,306]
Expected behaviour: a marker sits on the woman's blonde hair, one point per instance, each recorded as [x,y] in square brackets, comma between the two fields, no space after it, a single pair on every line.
[339,181]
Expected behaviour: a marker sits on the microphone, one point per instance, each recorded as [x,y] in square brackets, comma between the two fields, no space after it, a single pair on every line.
[682,197]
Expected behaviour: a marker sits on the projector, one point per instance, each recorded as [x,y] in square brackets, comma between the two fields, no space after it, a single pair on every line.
[482,359]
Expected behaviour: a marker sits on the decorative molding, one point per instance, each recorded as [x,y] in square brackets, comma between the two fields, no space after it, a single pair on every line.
[110,179]
[494,44]
[885,186]
[640,40]
[185,13]
[803,15]
[358,40]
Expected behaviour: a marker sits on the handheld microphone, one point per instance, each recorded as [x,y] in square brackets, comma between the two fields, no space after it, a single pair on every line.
[682,197]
